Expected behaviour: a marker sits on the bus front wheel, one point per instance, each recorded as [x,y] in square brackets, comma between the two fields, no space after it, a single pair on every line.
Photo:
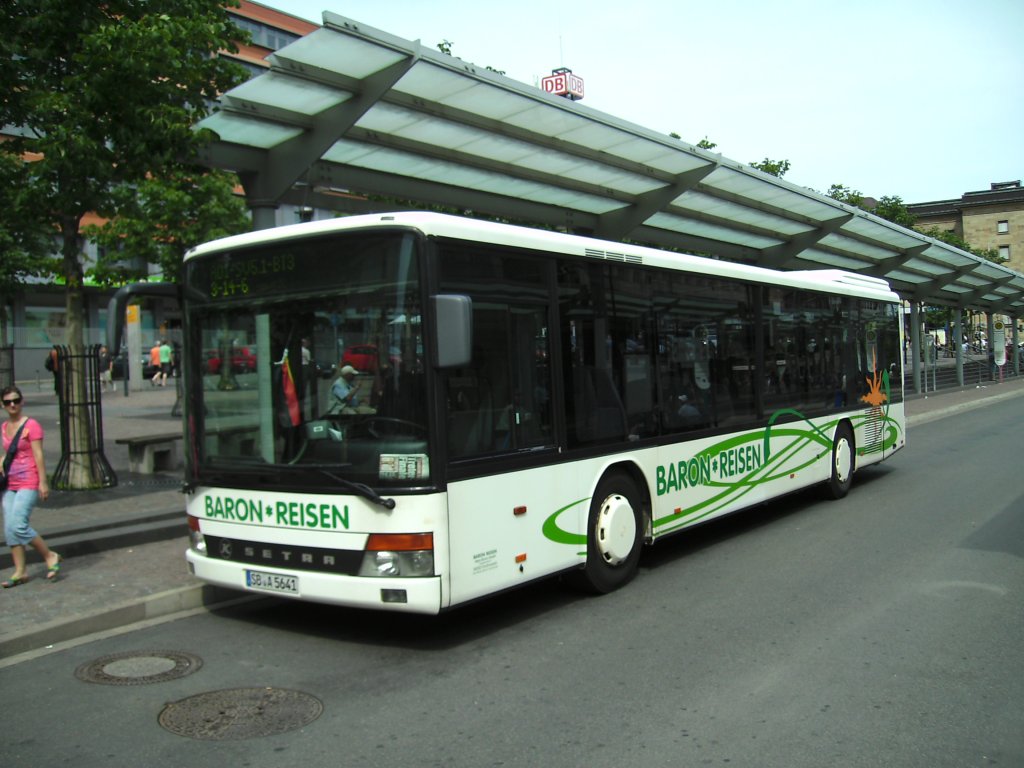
[614,534]
[842,463]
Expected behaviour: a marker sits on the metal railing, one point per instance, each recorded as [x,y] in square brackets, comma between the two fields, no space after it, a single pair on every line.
[82,462]
[6,366]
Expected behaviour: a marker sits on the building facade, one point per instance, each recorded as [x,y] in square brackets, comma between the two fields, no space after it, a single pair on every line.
[991,219]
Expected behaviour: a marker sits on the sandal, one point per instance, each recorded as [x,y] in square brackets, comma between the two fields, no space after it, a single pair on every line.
[53,571]
[14,581]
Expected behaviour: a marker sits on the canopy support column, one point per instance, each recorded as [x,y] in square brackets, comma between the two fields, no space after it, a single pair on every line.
[958,343]
[915,344]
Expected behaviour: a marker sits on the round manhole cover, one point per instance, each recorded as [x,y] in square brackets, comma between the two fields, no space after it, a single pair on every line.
[139,667]
[240,713]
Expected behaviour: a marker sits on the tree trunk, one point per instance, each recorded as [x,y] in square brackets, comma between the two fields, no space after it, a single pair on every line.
[83,471]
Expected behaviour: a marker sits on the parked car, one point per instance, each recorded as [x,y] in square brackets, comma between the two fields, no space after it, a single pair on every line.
[119,363]
[243,360]
[364,357]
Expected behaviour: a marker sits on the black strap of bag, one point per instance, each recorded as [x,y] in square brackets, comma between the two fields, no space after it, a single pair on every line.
[9,457]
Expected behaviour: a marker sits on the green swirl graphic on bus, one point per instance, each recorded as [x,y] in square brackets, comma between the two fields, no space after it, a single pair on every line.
[722,474]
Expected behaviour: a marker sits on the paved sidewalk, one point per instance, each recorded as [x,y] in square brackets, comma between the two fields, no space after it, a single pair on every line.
[147,504]
[124,546]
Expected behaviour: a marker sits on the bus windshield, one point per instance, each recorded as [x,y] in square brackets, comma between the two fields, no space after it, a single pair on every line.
[306,364]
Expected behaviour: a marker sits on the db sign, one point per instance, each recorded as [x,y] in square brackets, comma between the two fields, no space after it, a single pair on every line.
[562,82]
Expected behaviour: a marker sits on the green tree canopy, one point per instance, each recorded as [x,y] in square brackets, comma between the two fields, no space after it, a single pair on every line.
[772,167]
[104,94]
[892,208]
[846,195]
[158,220]
[24,244]
[952,238]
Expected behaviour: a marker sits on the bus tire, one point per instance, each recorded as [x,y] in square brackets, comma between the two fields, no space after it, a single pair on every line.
[614,534]
[841,476]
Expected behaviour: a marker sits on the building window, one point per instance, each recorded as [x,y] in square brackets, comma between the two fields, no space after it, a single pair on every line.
[1004,252]
[1002,227]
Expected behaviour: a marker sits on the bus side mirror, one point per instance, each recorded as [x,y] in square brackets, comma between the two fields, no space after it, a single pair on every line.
[453,316]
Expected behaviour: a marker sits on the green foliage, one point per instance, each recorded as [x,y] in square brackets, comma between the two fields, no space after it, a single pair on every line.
[445,47]
[159,219]
[25,243]
[102,96]
[772,167]
[938,317]
[951,238]
[892,208]
[105,94]
[846,195]
[706,143]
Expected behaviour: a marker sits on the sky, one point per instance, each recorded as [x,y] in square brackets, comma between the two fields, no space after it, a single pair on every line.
[919,99]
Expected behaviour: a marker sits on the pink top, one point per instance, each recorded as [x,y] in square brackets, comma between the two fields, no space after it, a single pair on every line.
[23,474]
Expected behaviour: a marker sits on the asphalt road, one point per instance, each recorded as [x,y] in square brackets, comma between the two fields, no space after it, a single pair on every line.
[882,630]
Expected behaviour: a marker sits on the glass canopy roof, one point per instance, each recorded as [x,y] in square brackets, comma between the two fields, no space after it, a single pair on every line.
[355,108]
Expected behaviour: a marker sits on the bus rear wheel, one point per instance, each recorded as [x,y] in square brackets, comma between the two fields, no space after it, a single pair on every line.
[614,534]
[842,463]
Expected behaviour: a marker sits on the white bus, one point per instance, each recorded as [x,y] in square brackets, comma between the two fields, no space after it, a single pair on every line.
[411,411]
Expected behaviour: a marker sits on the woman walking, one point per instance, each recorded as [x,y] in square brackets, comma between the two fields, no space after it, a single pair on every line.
[26,483]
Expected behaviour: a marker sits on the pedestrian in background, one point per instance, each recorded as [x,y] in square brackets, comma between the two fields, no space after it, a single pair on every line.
[165,362]
[104,365]
[26,484]
[53,366]
[154,362]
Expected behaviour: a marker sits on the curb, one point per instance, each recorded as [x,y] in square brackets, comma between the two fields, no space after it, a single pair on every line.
[129,612]
[924,418]
[111,535]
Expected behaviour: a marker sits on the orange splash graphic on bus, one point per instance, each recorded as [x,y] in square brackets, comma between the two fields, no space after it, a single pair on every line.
[875,395]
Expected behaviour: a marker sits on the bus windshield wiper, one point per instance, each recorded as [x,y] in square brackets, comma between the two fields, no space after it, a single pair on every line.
[358,488]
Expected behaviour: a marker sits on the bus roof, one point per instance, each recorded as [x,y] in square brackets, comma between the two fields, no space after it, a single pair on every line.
[477,230]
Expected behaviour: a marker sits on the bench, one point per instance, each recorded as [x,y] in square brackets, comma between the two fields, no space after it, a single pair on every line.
[152,453]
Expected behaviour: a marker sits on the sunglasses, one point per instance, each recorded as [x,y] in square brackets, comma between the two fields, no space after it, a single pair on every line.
[15,401]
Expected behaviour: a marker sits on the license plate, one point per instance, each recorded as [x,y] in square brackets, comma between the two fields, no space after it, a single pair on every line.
[272,582]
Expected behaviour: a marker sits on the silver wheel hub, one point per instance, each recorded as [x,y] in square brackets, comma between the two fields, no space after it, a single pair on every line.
[844,460]
[616,529]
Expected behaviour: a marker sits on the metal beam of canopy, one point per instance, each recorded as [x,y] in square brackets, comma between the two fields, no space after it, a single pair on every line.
[355,109]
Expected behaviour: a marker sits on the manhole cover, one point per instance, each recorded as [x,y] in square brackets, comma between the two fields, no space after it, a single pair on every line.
[240,713]
[139,667]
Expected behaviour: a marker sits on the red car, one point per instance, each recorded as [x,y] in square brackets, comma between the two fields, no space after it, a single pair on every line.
[243,360]
[364,357]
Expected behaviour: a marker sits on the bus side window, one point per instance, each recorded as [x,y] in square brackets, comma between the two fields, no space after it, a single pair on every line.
[502,400]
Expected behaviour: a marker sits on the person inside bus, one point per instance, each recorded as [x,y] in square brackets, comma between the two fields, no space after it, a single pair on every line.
[345,393]
[688,413]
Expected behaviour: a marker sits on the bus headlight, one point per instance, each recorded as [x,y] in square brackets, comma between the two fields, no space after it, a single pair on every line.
[392,555]
[196,539]
[385,564]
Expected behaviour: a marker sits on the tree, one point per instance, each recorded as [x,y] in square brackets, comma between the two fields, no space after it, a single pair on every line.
[892,208]
[24,245]
[846,195]
[952,238]
[772,167]
[104,94]
[159,219]
[445,47]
